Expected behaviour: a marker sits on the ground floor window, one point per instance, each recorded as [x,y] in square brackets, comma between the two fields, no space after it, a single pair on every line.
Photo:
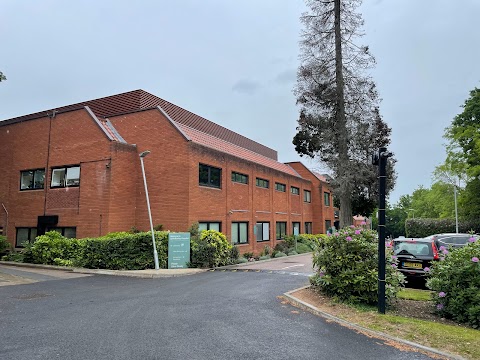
[25,235]
[68,232]
[209,226]
[239,233]
[308,228]
[328,225]
[262,231]
[281,230]
[296,228]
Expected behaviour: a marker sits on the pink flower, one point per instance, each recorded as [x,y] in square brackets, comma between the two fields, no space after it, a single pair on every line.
[439,306]
[394,265]
[336,234]
[427,269]
[475,259]
[472,239]
[441,294]
[442,248]
[321,273]
[445,252]
[388,245]
[328,234]
[352,226]
[363,223]
[349,238]
[394,257]
[357,232]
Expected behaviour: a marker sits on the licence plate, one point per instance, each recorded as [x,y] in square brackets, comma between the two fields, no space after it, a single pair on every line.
[413,265]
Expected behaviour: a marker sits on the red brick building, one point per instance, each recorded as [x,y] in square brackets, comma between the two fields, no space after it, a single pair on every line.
[76,169]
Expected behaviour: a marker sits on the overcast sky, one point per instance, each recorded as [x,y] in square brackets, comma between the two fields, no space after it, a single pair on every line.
[234,62]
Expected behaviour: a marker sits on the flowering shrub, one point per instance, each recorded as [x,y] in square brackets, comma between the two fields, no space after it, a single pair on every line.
[347,267]
[456,284]
[212,249]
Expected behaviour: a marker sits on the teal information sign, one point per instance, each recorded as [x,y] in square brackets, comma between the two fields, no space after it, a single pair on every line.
[178,250]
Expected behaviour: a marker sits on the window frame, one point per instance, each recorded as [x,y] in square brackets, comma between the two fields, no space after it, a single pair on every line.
[295,190]
[278,234]
[61,230]
[209,176]
[30,240]
[280,187]
[262,183]
[209,224]
[33,179]
[307,196]
[328,227]
[326,198]
[308,227]
[263,230]
[238,223]
[239,178]
[299,227]
[65,176]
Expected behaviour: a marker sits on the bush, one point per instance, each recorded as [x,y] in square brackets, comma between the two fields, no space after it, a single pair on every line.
[234,255]
[241,260]
[264,257]
[211,250]
[303,248]
[248,255]
[347,264]
[280,254]
[426,227]
[16,256]
[266,251]
[51,246]
[456,283]
[293,252]
[4,245]
[281,247]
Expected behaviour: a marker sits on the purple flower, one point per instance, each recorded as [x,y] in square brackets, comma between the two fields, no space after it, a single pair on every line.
[336,234]
[445,252]
[321,273]
[441,294]
[394,265]
[349,238]
[394,257]
[352,226]
[427,269]
[357,232]
[475,259]
[472,239]
[328,234]
[363,223]
[442,248]
[439,306]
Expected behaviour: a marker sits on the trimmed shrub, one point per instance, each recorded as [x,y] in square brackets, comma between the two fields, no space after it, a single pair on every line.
[264,257]
[51,246]
[347,265]
[241,260]
[280,254]
[281,247]
[426,227]
[303,248]
[211,250]
[234,255]
[293,252]
[456,285]
[4,245]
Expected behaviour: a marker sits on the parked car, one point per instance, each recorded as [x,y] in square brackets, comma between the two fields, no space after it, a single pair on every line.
[452,240]
[414,255]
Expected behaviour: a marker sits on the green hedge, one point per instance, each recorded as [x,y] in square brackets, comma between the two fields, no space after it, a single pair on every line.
[426,227]
[114,251]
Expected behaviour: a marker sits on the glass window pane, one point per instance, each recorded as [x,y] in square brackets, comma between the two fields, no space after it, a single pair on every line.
[202,226]
[33,234]
[70,232]
[58,177]
[73,176]
[203,174]
[243,233]
[26,181]
[39,179]
[234,233]
[215,226]
[23,237]
[215,176]
[266,231]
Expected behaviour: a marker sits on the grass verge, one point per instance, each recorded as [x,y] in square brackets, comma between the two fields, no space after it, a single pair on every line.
[415,294]
[454,339]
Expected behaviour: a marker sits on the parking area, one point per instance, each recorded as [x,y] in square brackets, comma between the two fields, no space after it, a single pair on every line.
[13,275]
[299,264]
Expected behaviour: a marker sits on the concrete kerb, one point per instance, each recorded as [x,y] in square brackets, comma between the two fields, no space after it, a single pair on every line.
[308,307]
[149,273]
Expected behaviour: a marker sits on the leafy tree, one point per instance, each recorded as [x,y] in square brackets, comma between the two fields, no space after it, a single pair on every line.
[2,77]
[340,122]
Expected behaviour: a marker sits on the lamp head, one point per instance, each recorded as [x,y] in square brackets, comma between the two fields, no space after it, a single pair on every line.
[144,153]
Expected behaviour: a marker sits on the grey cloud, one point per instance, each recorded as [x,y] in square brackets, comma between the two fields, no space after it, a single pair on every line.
[246,86]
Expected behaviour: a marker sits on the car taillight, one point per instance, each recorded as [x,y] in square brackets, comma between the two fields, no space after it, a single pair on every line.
[435,251]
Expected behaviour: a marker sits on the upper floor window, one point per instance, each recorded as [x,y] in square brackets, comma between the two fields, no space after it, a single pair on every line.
[240,178]
[280,187]
[66,176]
[209,176]
[32,179]
[307,196]
[295,190]
[262,183]
[326,198]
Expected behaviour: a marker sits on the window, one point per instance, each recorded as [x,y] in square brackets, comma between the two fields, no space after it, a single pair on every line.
[209,176]
[65,177]
[240,178]
[262,231]
[308,228]
[239,233]
[296,228]
[307,196]
[25,235]
[262,183]
[328,225]
[209,226]
[68,232]
[281,230]
[326,198]
[280,187]
[32,179]
[294,190]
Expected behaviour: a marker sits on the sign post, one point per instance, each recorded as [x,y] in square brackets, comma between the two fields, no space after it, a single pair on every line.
[178,250]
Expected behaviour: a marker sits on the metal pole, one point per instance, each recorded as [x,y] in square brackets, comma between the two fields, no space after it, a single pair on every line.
[382,176]
[155,254]
[456,212]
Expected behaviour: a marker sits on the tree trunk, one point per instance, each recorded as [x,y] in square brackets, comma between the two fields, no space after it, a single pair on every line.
[343,160]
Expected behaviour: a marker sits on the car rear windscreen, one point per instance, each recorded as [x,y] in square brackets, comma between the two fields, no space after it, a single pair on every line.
[413,247]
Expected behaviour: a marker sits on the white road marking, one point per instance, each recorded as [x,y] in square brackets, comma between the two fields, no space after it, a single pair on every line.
[293,266]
